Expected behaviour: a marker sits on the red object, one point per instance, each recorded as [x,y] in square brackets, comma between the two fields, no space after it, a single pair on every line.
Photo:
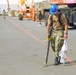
[63,1]
[8,5]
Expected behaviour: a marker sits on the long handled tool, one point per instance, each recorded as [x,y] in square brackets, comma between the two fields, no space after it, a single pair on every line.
[47,51]
[48,46]
[48,41]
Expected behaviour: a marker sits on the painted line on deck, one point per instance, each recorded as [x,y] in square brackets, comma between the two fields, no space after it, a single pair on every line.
[33,36]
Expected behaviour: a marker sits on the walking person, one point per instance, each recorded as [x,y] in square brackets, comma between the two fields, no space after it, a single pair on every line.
[59,31]
[40,17]
[4,14]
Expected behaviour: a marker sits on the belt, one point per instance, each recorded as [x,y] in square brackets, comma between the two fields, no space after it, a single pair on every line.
[57,29]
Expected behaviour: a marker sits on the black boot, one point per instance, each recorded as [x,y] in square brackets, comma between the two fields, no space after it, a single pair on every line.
[56,61]
[40,23]
[59,59]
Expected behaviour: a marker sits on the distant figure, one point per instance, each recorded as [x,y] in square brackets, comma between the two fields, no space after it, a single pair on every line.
[4,13]
[40,17]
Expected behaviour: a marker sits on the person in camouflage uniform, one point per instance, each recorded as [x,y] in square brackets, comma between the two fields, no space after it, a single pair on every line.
[58,34]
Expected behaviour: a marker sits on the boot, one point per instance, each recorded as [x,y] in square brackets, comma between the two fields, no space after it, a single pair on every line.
[56,61]
[59,59]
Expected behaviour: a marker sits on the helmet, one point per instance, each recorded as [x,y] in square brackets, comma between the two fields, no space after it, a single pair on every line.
[53,9]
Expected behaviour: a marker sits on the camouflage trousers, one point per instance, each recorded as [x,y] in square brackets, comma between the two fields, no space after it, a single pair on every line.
[57,41]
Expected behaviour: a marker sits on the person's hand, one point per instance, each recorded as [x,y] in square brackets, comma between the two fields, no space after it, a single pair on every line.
[65,36]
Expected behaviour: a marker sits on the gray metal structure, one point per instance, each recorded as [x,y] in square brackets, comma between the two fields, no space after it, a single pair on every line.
[69,11]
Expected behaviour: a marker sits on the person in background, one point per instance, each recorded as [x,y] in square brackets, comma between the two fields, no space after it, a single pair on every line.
[40,17]
[4,13]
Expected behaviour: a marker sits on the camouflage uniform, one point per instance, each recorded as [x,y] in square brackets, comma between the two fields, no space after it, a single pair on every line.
[57,42]
[57,34]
